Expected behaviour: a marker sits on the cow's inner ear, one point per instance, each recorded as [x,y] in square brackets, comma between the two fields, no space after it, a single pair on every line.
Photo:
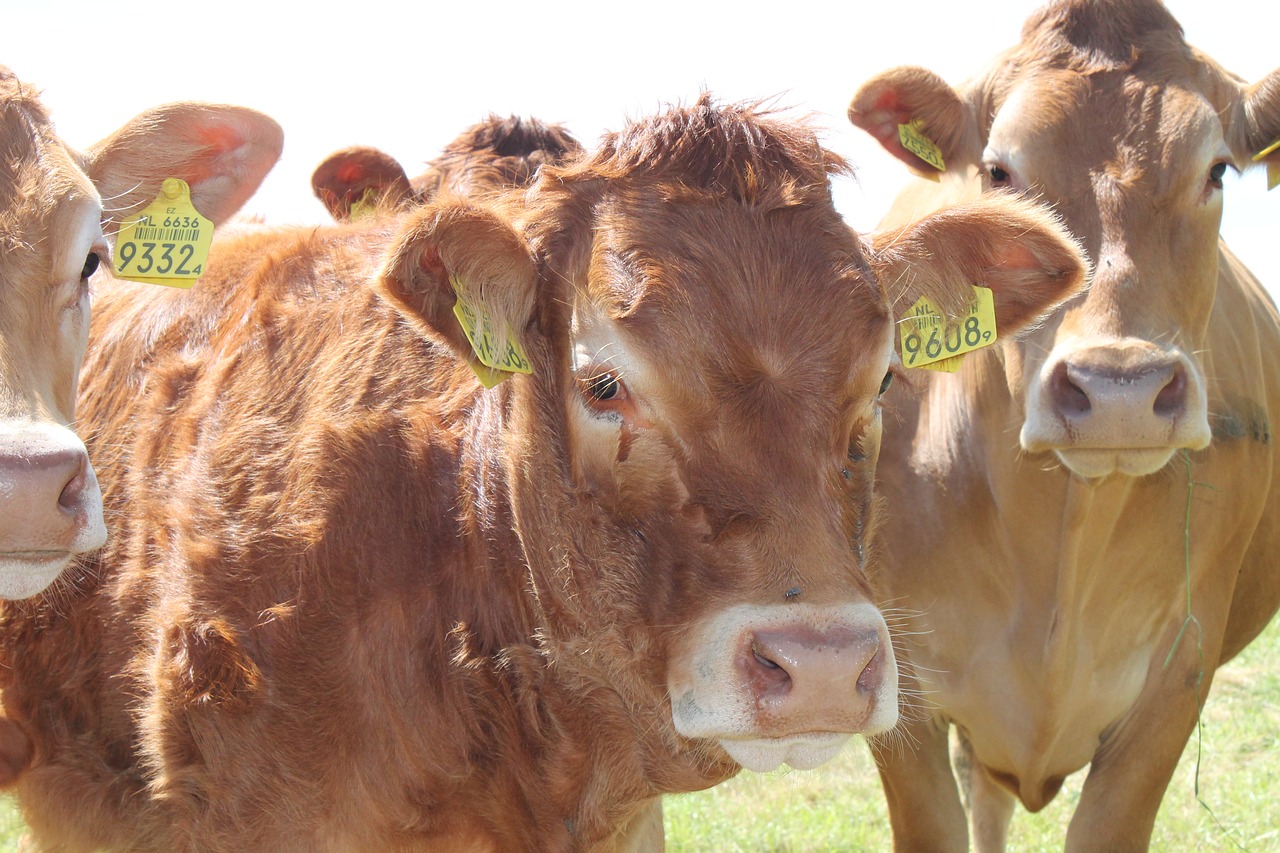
[456,263]
[1017,248]
[918,97]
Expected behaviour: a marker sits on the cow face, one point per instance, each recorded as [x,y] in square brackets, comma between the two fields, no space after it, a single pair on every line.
[693,455]
[1109,116]
[51,230]
[50,506]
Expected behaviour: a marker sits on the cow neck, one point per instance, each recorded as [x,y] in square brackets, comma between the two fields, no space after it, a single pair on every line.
[595,677]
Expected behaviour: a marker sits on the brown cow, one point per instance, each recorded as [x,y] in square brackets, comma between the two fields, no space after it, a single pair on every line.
[1101,501]
[51,241]
[494,154]
[354,601]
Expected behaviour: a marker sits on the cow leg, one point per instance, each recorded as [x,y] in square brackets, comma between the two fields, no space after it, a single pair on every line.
[1131,770]
[924,803]
[990,804]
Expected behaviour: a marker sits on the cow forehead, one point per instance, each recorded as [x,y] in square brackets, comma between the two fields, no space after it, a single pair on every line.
[50,212]
[726,295]
[1068,131]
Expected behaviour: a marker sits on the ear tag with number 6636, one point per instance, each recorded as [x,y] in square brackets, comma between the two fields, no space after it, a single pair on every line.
[168,242]
[929,341]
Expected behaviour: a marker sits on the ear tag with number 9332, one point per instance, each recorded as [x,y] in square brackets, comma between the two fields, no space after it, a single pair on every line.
[168,242]
[929,341]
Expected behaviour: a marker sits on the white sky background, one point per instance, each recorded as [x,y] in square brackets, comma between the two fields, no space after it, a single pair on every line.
[407,77]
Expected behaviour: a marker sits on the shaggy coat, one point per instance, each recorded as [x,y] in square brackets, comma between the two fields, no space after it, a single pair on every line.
[353,600]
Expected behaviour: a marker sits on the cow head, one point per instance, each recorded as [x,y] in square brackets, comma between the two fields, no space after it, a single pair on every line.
[492,155]
[357,177]
[693,455]
[52,239]
[1104,111]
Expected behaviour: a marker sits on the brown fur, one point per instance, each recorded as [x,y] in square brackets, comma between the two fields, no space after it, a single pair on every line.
[353,601]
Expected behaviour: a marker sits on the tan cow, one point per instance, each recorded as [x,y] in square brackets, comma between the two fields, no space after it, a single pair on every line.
[493,154]
[355,601]
[51,242]
[1085,525]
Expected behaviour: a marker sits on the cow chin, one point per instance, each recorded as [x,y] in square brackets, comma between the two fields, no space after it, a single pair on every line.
[27,573]
[1096,463]
[803,752]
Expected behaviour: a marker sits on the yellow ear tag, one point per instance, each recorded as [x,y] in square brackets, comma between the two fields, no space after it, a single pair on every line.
[367,205]
[483,335]
[930,342]
[912,137]
[1273,168]
[168,242]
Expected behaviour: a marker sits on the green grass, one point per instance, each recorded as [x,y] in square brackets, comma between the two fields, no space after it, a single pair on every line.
[839,807]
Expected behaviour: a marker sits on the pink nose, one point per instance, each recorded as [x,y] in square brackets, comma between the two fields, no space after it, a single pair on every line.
[802,676]
[42,497]
[1122,405]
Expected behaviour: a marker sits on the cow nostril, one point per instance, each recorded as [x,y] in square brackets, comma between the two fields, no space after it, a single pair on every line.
[1068,397]
[72,495]
[870,678]
[1172,399]
[767,680]
[761,659]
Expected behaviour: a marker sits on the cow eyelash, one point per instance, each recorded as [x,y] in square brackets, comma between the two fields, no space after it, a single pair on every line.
[91,263]
[999,175]
[605,387]
[1216,173]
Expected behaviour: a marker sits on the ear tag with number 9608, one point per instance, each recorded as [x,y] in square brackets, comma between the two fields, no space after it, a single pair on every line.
[497,361]
[168,242]
[929,341]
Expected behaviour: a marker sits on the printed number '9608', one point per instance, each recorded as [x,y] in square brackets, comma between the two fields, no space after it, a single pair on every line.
[951,340]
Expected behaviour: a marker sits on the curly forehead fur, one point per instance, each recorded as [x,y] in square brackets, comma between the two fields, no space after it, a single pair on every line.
[738,149]
[1101,35]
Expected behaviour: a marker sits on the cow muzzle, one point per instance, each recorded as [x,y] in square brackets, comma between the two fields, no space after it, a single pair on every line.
[50,506]
[1116,407]
[785,683]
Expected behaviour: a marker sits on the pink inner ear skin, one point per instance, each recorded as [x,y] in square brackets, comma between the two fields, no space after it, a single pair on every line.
[881,122]
[222,137]
[430,261]
[350,173]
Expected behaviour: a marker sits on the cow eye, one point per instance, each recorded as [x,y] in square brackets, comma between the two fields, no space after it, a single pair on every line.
[605,387]
[90,265]
[886,382]
[999,176]
[1216,173]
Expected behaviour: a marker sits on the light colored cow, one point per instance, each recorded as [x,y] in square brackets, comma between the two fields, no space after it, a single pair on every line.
[51,242]
[1085,525]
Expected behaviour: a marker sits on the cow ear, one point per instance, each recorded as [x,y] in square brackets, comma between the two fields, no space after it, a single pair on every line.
[904,95]
[222,152]
[1017,248]
[1262,120]
[451,249]
[350,179]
